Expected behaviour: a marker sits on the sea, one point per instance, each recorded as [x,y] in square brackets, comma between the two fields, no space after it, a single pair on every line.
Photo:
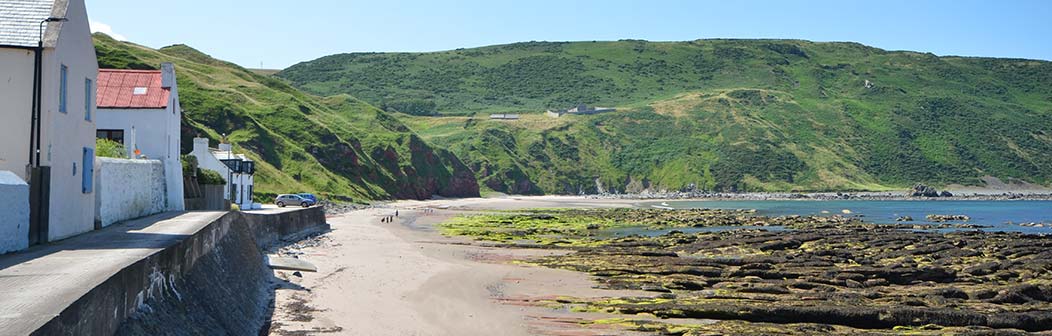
[1004,215]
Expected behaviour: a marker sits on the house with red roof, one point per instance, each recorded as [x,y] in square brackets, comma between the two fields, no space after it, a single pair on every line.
[140,109]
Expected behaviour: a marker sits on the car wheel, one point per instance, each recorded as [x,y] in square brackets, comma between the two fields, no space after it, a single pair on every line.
[304,204]
[281,204]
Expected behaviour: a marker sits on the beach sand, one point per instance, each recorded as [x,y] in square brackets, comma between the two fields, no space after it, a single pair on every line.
[403,278]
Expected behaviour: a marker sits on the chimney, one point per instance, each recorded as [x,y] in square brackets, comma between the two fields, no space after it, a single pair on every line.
[225,147]
[167,75]
[201,145]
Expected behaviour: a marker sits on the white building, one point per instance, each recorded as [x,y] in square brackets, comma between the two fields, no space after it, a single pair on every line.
[46,48]
[237,169]
[140,109]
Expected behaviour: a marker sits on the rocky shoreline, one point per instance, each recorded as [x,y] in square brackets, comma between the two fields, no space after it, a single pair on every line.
[831,275]
[827,196]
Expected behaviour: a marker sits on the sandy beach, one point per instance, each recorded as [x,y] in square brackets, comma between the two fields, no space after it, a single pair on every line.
[403,278]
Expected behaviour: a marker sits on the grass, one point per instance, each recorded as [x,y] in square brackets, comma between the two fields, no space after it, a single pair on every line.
[730,115]
[335,146]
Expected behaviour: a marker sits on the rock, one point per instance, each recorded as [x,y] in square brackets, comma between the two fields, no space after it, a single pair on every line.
[945,218]
[853,284]
[945,193]
[904,219]
[921,190]
[655,288]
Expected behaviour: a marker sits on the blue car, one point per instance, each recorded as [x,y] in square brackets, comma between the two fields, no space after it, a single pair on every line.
[311,197]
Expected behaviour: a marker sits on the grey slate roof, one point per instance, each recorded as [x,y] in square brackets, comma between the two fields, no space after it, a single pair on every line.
[20,21]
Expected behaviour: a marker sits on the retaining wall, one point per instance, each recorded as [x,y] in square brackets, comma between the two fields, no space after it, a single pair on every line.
[14,213]
[128,189]
[213,282]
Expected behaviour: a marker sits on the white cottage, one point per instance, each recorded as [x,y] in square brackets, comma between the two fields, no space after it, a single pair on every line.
[140,109]
[47,99]
[237,169]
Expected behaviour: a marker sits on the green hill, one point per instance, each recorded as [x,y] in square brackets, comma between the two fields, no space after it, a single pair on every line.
[336,146]
[713,114]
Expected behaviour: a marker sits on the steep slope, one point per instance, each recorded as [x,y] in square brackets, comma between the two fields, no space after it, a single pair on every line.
[338,146]
[713,114]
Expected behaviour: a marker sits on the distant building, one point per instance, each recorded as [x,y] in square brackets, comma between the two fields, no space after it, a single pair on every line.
[504,116]
[579,109]
[237,169]
[140,109]
[47,99]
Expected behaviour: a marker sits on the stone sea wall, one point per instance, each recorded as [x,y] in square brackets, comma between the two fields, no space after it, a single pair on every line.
[213,282]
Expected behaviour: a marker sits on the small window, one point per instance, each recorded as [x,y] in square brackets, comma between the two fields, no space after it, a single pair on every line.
[138,91]
[115,135]
[63,80]
[87,99]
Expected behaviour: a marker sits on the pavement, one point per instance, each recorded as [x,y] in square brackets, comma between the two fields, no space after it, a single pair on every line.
[39,283]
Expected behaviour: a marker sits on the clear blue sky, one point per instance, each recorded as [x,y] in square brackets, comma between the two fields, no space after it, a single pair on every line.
[280,33]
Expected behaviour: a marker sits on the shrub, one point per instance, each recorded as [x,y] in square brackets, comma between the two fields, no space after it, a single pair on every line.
[109,148]
[189,164]
[210,177]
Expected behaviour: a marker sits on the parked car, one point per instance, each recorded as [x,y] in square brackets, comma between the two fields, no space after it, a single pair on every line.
[290,199]
[309,196]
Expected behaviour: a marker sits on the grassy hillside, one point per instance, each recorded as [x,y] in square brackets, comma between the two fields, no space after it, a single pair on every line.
[337,145]
[715,114]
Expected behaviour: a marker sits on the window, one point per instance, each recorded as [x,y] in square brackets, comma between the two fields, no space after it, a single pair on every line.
[233,164]
[115,135]
[87,99]
[63,74]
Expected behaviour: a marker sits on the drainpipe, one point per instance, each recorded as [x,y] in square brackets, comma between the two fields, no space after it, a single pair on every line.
[34,126]
[38,81]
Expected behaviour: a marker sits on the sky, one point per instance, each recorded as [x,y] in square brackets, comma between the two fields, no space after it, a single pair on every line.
[275,34]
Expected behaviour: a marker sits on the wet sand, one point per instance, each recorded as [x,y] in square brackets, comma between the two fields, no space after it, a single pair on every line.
[403,278]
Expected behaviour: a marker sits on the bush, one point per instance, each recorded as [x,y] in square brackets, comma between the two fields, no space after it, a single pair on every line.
[210,177]
[109,148]
[189,164]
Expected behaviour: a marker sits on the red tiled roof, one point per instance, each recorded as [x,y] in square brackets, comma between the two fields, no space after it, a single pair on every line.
[131,89]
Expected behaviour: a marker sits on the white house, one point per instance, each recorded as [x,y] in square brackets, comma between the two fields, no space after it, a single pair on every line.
[47,99]
[140,109]
[237,169]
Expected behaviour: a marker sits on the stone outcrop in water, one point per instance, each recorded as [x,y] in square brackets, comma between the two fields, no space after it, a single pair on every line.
[947,218]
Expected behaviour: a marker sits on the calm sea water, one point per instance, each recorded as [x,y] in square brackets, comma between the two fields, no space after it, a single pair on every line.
[1002,215]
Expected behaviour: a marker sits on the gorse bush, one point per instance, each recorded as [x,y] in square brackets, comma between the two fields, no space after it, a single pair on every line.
[210,177]
[110,149]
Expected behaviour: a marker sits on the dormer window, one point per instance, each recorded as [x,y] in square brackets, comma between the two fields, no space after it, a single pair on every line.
[139,91]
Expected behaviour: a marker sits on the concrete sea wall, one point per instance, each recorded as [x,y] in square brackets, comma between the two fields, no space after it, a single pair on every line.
[128,189]
[14,213]
[213,282]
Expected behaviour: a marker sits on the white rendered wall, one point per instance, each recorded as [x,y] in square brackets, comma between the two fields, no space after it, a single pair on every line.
[65,135]
[128,189]
[173,165]
[150,128]
[156,136]
[14,211]
[16,105]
